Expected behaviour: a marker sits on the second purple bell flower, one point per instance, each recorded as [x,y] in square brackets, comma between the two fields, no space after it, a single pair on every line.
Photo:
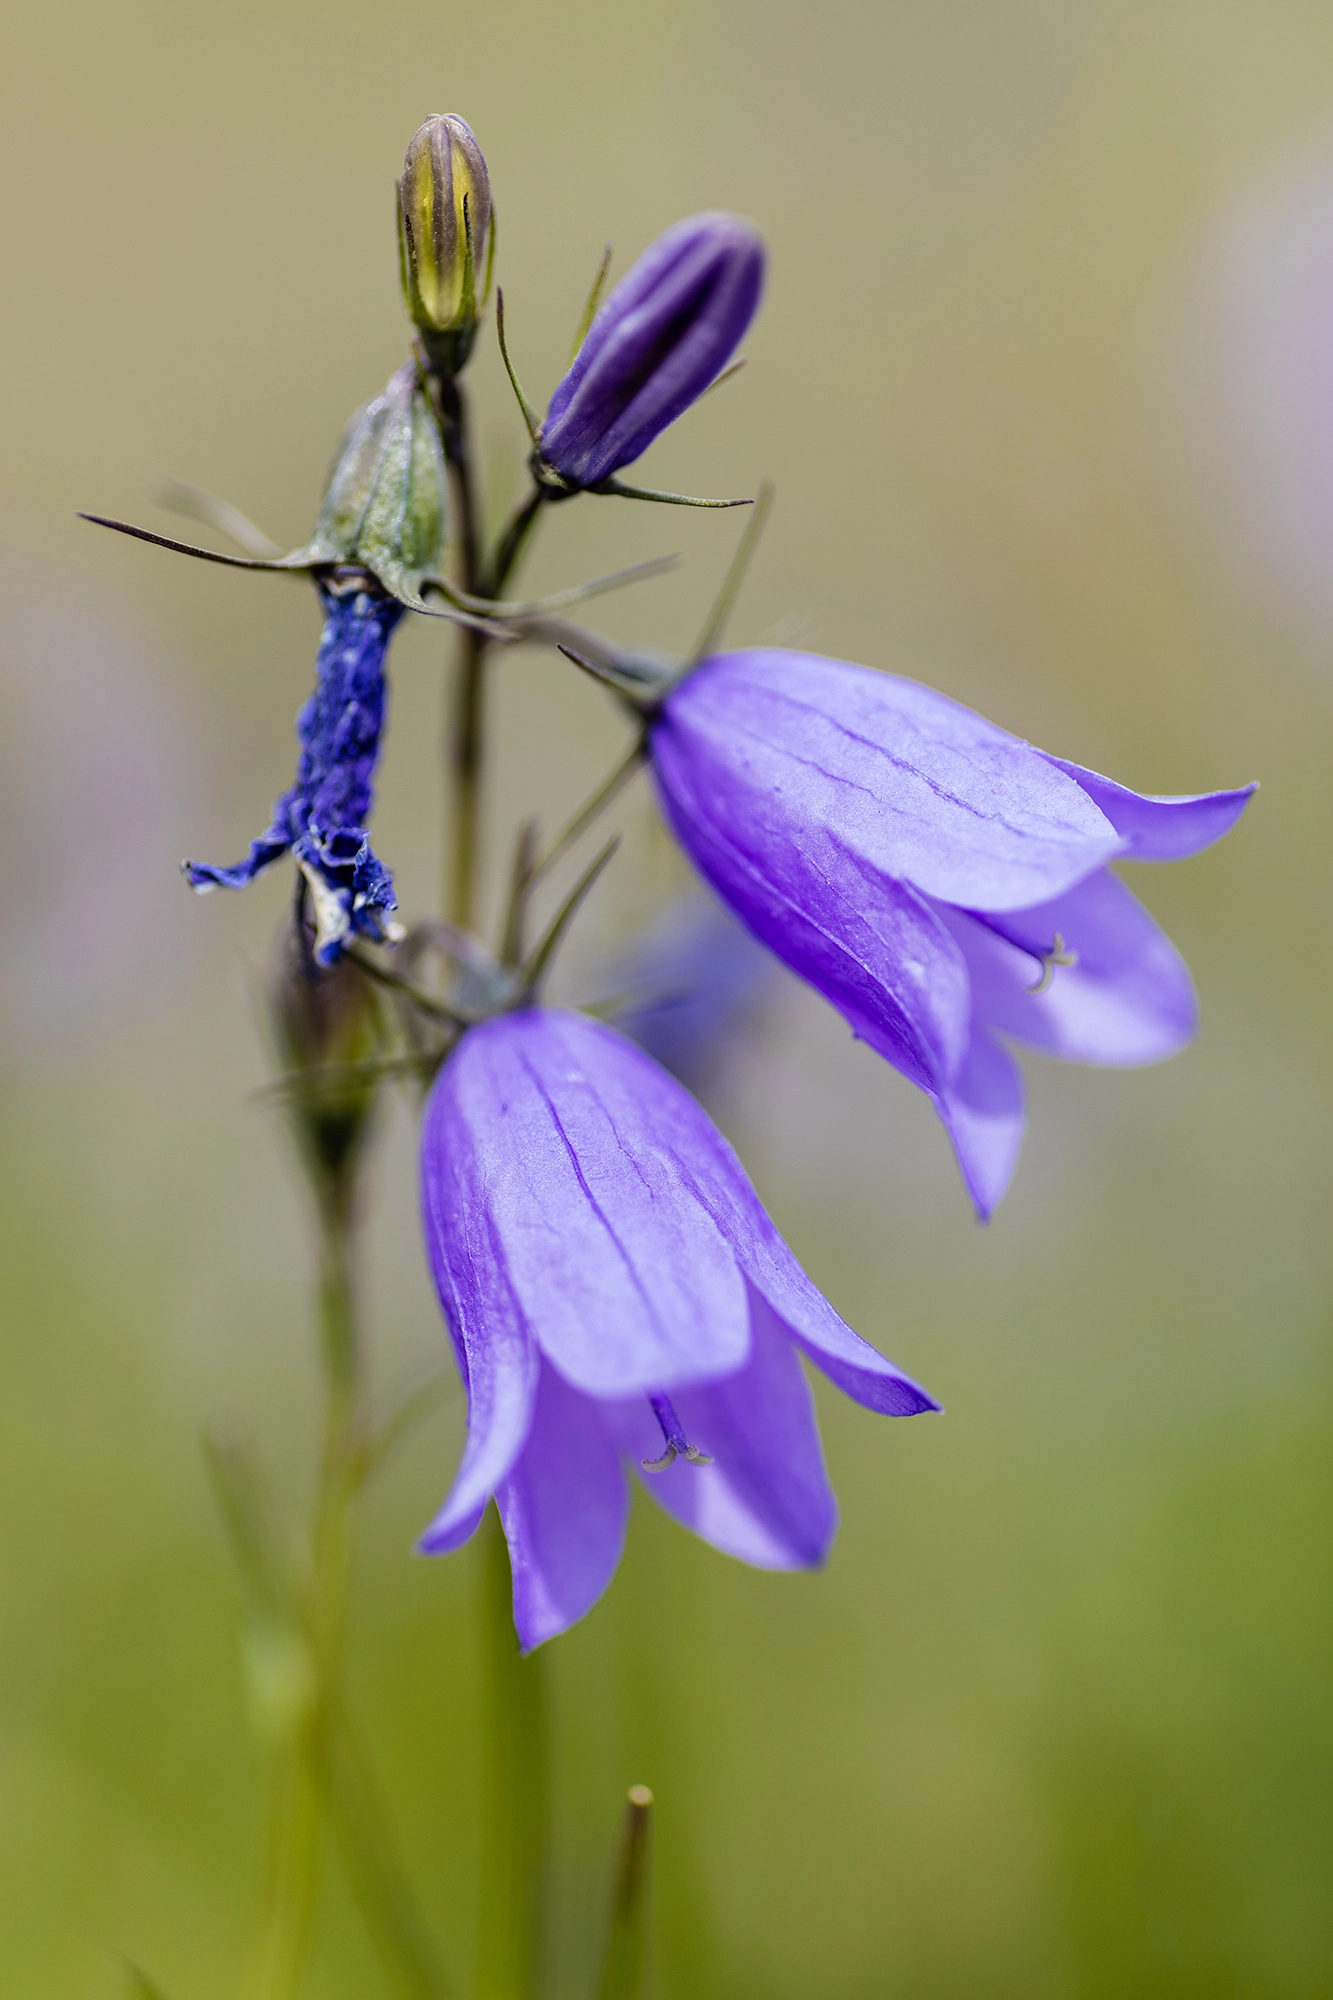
[617,1296]
[944,884]
[663,336]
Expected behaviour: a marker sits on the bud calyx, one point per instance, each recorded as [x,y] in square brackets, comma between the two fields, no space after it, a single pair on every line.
[383,508]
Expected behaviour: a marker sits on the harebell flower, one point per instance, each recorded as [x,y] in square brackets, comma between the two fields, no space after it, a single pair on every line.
[619,1302]
[944,884]
[618,1295]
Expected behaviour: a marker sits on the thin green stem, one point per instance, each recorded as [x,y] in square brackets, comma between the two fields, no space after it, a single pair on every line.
[467,732]
[533,970]
[514,1781]
[625,1969]
[463,749]
[371,1858]
[281,1945]
[451,414]
[587,813]
[513,543]
[465,761]
[384,975]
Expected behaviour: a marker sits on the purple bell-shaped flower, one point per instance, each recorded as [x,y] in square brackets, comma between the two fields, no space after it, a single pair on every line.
[618,1297]
[944,884]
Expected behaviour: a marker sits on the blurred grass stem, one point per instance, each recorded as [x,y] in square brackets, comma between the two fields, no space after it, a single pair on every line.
[514,1787]
[625,1970]
[287,1908]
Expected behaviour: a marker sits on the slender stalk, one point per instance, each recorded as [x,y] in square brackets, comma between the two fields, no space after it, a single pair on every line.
[514,1795]
[463,749]
[451,413]
[467,732]
[465,760]
[587,813]
[514,1788]
[282,1939]
[371,1858]
[625,1969]
[514,541]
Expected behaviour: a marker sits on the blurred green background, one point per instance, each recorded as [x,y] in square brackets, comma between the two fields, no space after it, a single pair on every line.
[1056,1720]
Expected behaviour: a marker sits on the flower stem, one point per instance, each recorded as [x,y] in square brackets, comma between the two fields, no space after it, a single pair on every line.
[467,733]
[587,813]
[466,740]
[282,1938]
[371,1859]
[513,543]
[465,759]
[514,1779]
[514,1782]
[625,1969]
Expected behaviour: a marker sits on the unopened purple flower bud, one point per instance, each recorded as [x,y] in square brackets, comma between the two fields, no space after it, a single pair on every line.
[665,334]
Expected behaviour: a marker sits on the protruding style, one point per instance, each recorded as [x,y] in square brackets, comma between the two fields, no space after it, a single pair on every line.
[445,237]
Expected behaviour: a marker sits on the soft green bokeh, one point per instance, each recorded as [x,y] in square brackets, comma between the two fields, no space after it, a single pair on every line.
[1056,1721]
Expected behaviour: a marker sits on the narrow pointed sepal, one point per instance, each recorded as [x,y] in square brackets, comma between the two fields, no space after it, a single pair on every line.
[641,682]
[384,505]
[624,492]
[560,600]
[297,560]
[530,417]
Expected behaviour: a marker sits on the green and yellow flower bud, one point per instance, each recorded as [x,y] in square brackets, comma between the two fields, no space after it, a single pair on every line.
[445,236]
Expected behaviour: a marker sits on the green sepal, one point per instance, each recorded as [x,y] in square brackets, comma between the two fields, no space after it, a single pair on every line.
[530,417]
[493,608]
[624,492]
[593,301]
[642,680]
[716,621]
[384,504]
[535,966]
